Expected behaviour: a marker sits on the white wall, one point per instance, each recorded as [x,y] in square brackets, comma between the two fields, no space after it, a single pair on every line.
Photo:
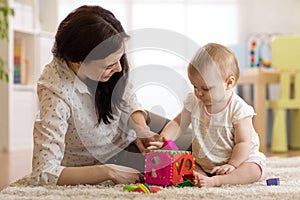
[229,22]
[268,16]
[251,16]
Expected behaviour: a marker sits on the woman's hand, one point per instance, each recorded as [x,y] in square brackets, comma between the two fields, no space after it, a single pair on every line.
[223,169]
[124,175]
[144,138]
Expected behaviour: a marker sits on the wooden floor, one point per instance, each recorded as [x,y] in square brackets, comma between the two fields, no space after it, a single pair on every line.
[14,166]
[18,164]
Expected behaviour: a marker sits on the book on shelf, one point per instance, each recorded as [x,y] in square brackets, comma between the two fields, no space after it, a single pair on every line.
[20,61]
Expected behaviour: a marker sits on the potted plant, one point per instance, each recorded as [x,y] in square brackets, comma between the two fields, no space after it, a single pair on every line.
[5,12]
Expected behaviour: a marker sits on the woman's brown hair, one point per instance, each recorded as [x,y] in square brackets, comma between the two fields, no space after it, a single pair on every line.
[92,33]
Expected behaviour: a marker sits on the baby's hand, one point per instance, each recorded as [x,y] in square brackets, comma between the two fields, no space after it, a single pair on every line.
[223,169]
[157,144]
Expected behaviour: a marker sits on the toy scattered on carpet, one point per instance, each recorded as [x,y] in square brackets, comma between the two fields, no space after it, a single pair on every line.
[273,181]
[148,189]
[187,183]
[168,167]
[165,167]
[144,188]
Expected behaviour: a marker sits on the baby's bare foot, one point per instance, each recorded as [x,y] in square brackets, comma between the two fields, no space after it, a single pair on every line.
[205,181]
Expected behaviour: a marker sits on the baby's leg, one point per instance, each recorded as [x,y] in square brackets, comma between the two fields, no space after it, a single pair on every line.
[246,173]
[199,170]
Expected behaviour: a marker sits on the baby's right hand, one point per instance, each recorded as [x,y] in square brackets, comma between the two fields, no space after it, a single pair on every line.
[156,144]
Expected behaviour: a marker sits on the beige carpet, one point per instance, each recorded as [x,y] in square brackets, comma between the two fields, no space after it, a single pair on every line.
[287,169]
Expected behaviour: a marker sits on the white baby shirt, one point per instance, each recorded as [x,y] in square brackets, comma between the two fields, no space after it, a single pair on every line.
[213,139]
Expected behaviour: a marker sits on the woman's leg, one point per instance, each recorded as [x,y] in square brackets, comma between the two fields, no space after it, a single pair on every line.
[131,155]
[198,169]
[156,122]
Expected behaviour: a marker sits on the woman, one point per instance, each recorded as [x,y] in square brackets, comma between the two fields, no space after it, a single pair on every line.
[89,120]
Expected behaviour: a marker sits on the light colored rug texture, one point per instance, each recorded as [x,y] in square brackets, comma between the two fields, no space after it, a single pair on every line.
[286,169]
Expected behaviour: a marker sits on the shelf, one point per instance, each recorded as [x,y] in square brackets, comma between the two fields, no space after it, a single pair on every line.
[46,34]
[24,31]
[41,33]
[30,88]
[31,37]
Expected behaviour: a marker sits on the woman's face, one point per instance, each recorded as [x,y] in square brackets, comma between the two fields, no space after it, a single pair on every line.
[102,69]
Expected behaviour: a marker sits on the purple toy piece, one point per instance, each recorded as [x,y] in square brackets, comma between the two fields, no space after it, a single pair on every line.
[273,181]
[169,145]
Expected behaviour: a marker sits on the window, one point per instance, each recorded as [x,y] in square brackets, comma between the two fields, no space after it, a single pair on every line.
[198,21]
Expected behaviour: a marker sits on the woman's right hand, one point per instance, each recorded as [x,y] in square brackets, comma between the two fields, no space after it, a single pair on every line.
[124,175]
[144,137]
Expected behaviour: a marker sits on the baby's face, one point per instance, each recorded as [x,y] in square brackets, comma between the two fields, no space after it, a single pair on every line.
[209,87]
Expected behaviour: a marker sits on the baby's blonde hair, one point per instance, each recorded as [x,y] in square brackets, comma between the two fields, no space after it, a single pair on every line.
[213,54]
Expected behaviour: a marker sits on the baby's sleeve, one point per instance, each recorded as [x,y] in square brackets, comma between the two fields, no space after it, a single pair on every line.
[49,138]
[242,111]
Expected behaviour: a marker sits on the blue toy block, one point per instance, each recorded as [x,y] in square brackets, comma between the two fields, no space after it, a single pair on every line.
[273,181]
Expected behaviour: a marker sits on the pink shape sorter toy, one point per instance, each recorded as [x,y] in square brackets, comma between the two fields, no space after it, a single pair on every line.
[169,145]
[168,167]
